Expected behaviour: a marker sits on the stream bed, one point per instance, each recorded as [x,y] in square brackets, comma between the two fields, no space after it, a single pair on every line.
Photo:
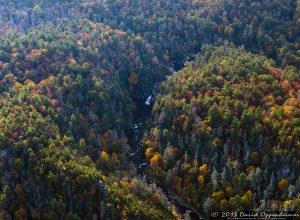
[142,122]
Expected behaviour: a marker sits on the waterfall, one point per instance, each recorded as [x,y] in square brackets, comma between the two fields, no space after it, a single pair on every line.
[148,101]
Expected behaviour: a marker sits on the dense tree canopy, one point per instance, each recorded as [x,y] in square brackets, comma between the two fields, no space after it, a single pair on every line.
[226,123]
[224,133]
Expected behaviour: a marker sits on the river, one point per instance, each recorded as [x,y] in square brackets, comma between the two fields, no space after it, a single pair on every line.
[142,122]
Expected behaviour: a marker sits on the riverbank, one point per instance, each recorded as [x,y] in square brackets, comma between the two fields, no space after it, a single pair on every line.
[142,122]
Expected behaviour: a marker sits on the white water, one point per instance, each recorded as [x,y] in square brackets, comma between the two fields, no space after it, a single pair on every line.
[148,101]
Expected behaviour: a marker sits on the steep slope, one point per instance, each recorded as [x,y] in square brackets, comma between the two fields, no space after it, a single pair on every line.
[64,112]
[229,122]
[46,174]
[226,133]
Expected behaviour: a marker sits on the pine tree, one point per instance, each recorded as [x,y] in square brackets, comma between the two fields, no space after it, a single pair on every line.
[207,205]
[215,179]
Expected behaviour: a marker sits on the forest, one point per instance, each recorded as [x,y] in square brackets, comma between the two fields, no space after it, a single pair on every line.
[223,132]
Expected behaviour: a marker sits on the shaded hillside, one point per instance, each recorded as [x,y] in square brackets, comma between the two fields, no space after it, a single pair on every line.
[226,133]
